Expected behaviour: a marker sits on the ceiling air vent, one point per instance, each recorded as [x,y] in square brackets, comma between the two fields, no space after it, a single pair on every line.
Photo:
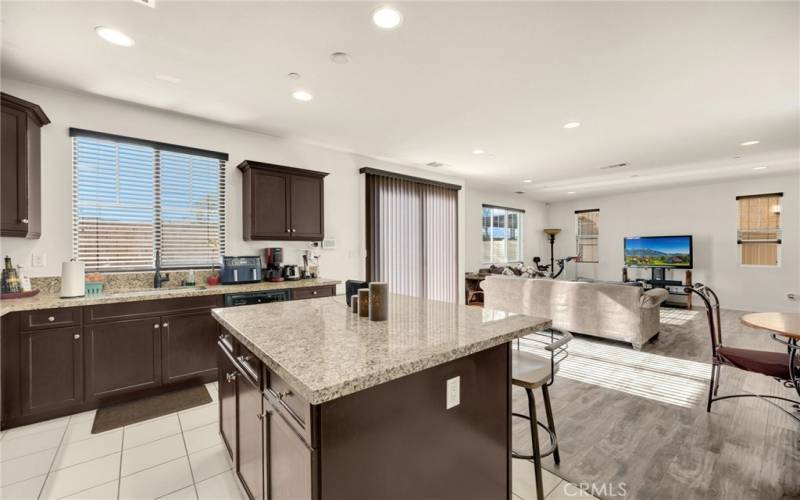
[616,165]
[435,164]
[149,3]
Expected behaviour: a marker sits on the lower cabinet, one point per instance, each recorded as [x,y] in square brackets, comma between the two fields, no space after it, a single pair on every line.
[226,386]
[188,346]
[122,356]
[52,369]
[289,462]
[250,464]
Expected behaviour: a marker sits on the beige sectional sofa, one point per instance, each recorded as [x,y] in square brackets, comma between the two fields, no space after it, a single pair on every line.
[607,310]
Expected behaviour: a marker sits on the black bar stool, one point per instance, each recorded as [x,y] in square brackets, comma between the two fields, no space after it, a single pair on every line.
[531,371]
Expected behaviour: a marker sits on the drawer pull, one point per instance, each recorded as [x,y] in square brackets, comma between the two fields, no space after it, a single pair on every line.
[51,318]
[262,416]
[156,326]
[294,230]
[281,395]
[288,230]
[314,292]
[24,221]
[76,336]
[222,337]
[230,377]
[165,325]
[245,359]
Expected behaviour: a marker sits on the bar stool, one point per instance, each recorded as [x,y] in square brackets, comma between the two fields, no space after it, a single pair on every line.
[530,371]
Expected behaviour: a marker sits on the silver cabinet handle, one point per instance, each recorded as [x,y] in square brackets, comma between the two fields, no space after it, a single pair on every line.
[294,230]
[314,292]
[165,325]
[222,337]
[281,395]
[24,221]
[51,319]
[230,377]
[76,336]
[288,230]
[156,326]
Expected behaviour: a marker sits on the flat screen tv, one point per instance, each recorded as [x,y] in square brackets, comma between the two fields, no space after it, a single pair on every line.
[659,251]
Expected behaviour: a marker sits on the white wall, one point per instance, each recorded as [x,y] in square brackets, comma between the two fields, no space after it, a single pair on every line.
[709,213]
[533,241]
[344,191]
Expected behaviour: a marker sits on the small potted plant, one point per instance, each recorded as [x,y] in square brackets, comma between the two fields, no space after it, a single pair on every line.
[213,278]
[94,284]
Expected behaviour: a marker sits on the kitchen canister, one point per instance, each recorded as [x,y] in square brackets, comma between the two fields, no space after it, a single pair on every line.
[378,301]
[354,303]
[363,302]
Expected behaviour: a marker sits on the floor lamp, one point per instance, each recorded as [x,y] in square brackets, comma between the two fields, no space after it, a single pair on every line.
[552,234]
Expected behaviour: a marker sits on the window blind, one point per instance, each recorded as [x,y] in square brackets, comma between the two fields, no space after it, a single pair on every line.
[759,232]
[587,233]
[131,199]
[501,228]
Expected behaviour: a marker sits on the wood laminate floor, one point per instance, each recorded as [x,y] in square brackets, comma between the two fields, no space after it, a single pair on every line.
[635,422]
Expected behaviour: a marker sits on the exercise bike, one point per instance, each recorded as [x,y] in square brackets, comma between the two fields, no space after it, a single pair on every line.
[546,272]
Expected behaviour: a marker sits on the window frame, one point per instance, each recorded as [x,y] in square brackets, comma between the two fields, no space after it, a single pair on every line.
[579,236]
[157,243]
[778,242]
[520,238]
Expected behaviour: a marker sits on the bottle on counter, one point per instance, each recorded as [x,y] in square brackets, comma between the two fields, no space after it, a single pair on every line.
[9,281]
[24,279]
[190,278]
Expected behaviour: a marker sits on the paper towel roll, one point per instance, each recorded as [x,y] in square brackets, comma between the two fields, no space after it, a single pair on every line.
[73,279]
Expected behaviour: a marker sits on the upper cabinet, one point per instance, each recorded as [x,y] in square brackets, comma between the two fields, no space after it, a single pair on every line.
[20,184]
[282,203]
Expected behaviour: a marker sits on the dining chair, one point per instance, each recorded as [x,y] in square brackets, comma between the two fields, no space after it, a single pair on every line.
[531,371]
[769,363]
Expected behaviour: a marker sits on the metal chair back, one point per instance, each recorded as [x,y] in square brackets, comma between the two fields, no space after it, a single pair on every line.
[711,301]
[554,341]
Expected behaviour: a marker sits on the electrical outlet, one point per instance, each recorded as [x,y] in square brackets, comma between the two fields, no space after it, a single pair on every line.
[453,392]
[38,260]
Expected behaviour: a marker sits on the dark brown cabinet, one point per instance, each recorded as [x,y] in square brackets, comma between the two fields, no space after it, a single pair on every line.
[250,464]
[188,346]
[226,386]
[52,369]
[282,203]
[20,166]
[289,462]
[122,356]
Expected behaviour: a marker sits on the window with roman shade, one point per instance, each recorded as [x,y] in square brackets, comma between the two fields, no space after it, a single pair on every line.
[501,228]
[587,235]
[412,234]
[133,197]
[759,234]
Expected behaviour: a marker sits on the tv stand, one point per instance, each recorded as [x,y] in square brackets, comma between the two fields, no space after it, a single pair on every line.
[674,287]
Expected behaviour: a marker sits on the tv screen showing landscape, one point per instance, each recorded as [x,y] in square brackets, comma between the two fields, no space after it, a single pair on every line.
[659,251]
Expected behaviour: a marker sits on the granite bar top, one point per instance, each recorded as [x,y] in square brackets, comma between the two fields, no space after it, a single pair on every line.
[47,301]
[324,351]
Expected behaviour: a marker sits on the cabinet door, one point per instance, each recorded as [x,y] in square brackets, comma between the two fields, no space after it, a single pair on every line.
[122,356]
[188,347]
[251,438]
[227,401]
[289,462]
[52,369]
[13,183]
[306,210]
[269,218]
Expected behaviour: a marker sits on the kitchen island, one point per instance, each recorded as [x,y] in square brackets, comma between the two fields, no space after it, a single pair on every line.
[319,403]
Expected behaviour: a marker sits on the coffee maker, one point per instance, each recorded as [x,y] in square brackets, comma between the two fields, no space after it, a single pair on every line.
[274,259]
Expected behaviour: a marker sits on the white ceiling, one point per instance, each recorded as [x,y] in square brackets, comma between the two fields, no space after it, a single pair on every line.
[671,88]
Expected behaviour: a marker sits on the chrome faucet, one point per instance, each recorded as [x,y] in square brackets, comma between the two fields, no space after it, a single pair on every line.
[158,278]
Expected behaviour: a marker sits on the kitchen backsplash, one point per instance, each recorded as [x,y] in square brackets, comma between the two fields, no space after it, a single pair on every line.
[123,282]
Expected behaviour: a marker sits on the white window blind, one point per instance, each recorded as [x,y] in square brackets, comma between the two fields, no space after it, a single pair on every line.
[587,234]
[760,232]
[132,197]
[502,234]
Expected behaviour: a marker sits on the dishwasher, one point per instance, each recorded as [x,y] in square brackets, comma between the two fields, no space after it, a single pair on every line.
[246,298]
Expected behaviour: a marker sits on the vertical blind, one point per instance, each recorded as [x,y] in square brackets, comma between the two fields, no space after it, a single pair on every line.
[132,198]
[587,234]
[759,231]
[502,234]
[412,236]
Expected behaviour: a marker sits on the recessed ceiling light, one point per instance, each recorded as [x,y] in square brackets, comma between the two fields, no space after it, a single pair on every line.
[570,192]
[527,181]
[759,168]
[478,152]
[302,95]
[340,57]
[749,143]
[169,78]
[519,192]
[387,18]
[293,76]
[572,125]
[113,36]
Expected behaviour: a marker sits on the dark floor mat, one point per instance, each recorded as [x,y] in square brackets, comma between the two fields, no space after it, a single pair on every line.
[131,412]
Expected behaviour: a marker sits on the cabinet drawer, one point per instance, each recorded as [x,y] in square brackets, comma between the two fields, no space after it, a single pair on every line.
[313,292]
[51,318]
[227,341]
[149,308]
[249,363]
[295,409]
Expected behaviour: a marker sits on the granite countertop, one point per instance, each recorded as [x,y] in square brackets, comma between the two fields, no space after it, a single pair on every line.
[47,301]
[324,351]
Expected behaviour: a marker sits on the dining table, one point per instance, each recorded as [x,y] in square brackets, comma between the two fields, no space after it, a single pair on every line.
[784,328]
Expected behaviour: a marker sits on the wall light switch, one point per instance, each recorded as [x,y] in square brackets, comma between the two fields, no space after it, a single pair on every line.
[38,260]
[453,392]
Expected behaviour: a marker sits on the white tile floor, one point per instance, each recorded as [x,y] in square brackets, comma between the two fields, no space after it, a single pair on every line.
[178,456]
